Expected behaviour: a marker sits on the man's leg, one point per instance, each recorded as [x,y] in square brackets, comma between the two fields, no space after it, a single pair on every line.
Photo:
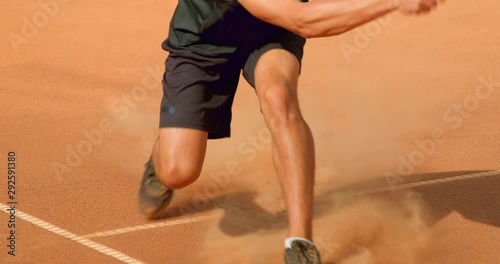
[176,161]
[178,155]
[276,76]
[197,95]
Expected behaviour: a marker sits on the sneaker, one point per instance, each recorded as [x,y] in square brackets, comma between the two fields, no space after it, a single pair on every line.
[302,252]
[154,196]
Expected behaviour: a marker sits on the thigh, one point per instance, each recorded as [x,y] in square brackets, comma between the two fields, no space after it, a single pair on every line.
[276,77]
[198,93]
[280,56]
[277,69]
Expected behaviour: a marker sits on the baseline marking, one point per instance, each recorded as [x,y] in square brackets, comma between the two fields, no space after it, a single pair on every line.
[432,182]
[79,239]
[148,226]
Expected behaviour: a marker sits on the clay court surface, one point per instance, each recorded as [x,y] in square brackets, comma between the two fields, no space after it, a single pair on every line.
[404,112]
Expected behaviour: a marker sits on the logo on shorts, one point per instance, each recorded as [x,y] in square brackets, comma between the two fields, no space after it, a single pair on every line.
[168,109]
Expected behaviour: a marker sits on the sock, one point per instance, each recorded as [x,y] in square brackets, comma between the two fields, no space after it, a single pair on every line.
[288,241]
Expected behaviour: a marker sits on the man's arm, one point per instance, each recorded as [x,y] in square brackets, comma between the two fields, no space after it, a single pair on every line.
[322,18]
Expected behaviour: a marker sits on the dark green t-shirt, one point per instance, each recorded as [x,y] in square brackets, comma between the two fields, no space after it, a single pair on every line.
[211,26]
[191,22]
[215,27]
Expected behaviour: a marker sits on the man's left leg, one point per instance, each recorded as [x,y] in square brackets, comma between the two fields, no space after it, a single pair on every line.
[276,76]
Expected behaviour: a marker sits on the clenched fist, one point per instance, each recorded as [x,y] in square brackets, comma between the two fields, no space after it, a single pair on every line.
[416,6]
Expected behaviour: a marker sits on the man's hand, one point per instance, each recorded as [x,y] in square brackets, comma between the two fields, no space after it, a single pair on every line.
[416,6]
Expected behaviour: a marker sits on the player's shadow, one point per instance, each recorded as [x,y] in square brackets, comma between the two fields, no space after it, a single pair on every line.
[475,198]
[241,214]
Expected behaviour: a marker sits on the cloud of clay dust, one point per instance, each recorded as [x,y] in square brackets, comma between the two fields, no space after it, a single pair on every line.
[348,230]
[379,230]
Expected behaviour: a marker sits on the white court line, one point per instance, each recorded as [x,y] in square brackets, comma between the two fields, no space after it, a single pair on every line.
[79,239]
[432,182]
[148,226]
[127,259]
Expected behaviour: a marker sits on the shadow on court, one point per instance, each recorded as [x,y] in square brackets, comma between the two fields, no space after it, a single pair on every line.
[476,199]
[242,215]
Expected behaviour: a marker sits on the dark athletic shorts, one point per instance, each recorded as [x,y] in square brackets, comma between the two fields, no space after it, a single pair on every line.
[198,90]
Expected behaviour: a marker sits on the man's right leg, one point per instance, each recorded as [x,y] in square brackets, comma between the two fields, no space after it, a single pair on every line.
[197,95]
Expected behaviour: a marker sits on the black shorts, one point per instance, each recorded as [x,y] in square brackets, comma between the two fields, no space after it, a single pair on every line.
[198,90]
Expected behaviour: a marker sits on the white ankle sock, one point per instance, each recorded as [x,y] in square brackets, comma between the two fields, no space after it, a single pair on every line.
[288,241]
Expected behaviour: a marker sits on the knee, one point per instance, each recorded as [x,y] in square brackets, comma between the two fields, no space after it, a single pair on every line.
[175,176]
[280,105]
